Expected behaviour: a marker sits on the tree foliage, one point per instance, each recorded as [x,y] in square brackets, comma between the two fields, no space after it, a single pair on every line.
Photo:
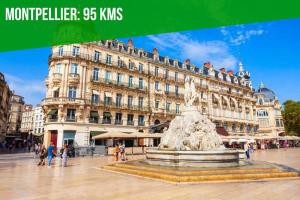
[291,116]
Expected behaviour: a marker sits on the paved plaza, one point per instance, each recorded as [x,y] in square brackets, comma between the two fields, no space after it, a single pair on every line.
[22,179]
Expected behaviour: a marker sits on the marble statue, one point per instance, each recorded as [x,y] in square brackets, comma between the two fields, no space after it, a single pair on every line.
[191,130]
[190,93]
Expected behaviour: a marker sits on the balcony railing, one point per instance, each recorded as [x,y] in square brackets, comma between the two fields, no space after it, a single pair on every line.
[118,122]
[106,121]
[119,83]
[65,100]
[141,123]
[130,123]
[90,57]
[52,119]
[93,121]
[71,119]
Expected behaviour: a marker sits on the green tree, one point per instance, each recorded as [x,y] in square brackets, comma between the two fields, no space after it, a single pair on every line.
[291,116]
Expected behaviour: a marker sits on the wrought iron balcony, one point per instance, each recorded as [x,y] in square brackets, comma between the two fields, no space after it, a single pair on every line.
[119,84]
[118,122]
[93,120]
[71,119]
[64,100]
[130,123]
[106,121]
[141,123]
[53,118]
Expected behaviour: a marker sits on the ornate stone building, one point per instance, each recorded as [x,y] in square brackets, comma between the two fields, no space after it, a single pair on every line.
[268,112]
[15,114]
[32,121]
[109,86]
[5,95]
[27,120]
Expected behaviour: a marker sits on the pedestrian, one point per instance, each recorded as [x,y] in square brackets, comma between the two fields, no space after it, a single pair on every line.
[51,153]
[29,145]
[122,152]
[43,154]
[36,150]
[248,151]
[65,155]
[117,150]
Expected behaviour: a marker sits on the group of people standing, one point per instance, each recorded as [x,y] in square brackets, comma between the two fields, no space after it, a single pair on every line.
[120,152]
[51,153]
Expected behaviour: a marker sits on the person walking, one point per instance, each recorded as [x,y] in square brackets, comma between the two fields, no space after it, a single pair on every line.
[248,151]
[65,155]
[122,152]
[117,151]
[36,150]
[43,154]
[51,153]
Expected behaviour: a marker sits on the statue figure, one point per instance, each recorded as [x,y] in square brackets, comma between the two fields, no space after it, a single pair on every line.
[190,93]
[191,130]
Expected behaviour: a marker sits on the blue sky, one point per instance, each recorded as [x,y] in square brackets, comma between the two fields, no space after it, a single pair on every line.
[270,51]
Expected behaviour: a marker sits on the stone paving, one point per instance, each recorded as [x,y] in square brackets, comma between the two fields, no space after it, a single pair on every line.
[22,179]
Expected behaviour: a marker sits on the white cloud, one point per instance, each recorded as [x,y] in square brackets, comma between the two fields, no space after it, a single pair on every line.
[239,35]
[217,52]
[32,90]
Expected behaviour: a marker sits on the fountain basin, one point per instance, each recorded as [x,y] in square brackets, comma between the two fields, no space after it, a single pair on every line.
[202,159]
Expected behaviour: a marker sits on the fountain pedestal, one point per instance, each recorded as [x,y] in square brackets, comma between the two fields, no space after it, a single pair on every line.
[215,158]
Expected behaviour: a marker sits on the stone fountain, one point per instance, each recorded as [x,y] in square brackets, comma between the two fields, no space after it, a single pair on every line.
[192,140]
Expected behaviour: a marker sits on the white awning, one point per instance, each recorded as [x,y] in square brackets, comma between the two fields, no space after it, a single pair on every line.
[108,94]
[96,92]
[55,88]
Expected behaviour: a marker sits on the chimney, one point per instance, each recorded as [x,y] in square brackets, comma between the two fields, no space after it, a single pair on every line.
[207,64]
[222,70]
[155,51]
[130,42]
[188,61]
[230,73]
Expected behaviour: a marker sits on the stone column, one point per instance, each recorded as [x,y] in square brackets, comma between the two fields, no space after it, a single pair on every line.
[65,80]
